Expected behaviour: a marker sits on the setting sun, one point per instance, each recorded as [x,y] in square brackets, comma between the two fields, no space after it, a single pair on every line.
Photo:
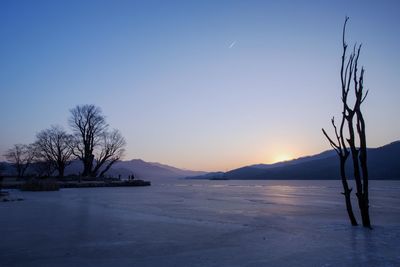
[282,157]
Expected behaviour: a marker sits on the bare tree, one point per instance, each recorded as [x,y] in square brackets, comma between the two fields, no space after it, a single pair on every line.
[351,76]
[96,146]
[111,150]
[358,152]
[88,125]
[21,156]
[340,145]
[54,147]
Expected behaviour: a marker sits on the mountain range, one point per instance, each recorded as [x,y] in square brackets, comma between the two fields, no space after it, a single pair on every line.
[145,170]
[383,163]
[137,167]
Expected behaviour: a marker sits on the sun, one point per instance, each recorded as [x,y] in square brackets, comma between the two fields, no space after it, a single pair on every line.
[282,157]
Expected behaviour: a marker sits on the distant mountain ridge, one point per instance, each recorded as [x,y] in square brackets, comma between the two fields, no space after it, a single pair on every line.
[322,155]
[143,170]
[384,164]
[137,167]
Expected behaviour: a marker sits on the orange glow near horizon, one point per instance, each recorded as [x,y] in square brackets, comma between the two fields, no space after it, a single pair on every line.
[281,157]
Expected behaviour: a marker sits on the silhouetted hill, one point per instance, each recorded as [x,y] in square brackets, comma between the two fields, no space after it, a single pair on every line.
[322,155]
[142,170]
[384,163]
[139,168]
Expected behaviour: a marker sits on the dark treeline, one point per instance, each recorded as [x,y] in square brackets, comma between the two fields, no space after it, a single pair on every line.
[91,141]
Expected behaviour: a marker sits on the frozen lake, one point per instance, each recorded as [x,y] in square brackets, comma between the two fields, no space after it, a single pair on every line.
[200,223]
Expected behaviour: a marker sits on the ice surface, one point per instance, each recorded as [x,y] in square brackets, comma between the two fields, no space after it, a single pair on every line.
[200,223]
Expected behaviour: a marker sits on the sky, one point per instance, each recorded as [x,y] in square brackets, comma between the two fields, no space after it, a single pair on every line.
[203,85]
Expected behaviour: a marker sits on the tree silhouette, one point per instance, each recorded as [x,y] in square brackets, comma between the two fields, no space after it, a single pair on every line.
[340,147]
[94,144]
[350,75]
[111,150]
[21,157]
[53,147]
[88,124]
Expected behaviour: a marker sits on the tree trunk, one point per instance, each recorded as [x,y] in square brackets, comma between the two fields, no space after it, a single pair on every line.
[342,152]
[61,169]
[364,170]
[20,173]
[346,193]
[359,158]
[87,166]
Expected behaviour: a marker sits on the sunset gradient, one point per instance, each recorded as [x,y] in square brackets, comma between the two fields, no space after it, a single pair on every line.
[204,85]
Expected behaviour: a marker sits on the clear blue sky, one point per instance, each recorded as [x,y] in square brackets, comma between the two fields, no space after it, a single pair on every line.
[208,85]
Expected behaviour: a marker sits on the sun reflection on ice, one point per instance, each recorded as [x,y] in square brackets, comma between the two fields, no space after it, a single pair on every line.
[282,194]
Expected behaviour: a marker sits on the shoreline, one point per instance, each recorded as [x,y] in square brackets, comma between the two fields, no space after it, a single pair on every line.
[82,184]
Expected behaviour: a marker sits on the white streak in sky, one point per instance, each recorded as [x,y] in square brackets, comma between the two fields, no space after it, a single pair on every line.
[232,44]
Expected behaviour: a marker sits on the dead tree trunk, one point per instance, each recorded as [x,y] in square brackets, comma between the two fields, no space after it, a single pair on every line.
[351,114]
[343,153]
[360,96]
[340,144]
